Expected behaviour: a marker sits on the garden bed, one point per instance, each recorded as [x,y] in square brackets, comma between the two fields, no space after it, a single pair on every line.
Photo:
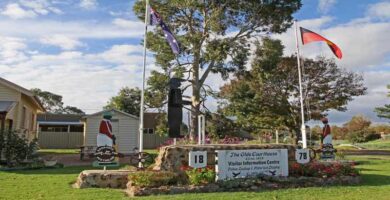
[189,180]
[252,184]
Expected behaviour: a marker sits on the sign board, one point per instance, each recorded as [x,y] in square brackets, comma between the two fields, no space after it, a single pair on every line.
[105,156]
[247,163]
[302,156]
[197,159]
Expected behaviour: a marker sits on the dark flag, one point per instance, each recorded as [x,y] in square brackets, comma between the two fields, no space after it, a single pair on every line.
[309,36]
[155,19]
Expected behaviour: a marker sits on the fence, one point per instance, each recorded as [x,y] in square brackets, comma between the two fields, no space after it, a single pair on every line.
[60,140]
[152,141]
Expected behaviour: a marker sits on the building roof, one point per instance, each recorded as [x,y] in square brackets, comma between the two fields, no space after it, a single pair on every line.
[24,91]
[112,110]
[6,106]
[51,117]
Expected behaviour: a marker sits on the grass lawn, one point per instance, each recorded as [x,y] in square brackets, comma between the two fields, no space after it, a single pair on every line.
[55,184]
[377,144]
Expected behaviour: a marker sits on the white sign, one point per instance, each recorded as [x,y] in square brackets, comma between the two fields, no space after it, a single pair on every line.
[197,159]
[302,156]
[247,163]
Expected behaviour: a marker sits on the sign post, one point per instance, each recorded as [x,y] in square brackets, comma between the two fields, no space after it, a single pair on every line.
[201,130]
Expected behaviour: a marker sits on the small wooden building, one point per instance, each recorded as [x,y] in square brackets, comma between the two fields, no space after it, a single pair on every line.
[18,109]
[125,128]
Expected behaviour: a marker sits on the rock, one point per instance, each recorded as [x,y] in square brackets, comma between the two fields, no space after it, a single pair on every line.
[254,188]
[102,179]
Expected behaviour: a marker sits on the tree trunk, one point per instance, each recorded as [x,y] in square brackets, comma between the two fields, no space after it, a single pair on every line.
[195,107]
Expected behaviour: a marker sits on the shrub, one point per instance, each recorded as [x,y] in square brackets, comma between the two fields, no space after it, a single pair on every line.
[153,178]
[364,135]
[200,176]
[319,169]
[15,148]
[372,136]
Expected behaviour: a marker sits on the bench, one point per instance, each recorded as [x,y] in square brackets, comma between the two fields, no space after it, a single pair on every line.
[87,150]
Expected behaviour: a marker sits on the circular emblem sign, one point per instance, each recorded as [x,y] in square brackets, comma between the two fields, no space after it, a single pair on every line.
[105,154]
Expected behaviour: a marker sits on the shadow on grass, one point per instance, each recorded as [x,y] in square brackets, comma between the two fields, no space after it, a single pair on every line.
[375,180]
[57,171]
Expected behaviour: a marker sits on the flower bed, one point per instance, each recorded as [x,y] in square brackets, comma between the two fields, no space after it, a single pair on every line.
[188,180]
[255,184]
[323,169]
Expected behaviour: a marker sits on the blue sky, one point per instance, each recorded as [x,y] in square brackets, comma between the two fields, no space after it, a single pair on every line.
[86,50]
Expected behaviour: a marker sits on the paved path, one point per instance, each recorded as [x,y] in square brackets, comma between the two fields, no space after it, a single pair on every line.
[74,160]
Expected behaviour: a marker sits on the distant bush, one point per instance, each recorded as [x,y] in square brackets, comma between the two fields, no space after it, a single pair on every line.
[364,135]
[372,136]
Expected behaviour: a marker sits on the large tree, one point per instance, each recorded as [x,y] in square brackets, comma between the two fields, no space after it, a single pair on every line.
[127,100]
[53,103]
[384,112]
[213,37]
[267,96]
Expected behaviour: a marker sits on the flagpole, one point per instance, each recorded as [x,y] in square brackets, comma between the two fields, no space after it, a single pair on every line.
[141,113]
[303,127]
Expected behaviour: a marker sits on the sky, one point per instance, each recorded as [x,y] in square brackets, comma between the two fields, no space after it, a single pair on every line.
[86,50]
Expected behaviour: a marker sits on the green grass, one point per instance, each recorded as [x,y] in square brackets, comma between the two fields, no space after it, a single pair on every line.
[377,145]
[55,184]
[58,151]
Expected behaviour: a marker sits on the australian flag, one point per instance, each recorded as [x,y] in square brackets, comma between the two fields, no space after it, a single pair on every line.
[155,19]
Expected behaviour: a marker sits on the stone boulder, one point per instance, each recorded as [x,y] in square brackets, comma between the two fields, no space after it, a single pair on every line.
[102,179]
[171,158]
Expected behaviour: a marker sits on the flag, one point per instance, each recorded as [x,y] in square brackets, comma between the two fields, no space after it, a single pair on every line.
[309,36]
[155,19]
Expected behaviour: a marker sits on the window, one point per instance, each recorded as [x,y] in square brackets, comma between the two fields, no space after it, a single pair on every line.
[23,122]
[76,128]
[148,131]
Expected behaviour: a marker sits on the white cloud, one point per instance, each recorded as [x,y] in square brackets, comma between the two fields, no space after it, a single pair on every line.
[362,42]
[41,7]
[12,50]
[325,5]
[88,4]
[73,29]
[128,24]
[376,82]
[14,11]
[29,9]
[84,80]
[380,10]
[62,41]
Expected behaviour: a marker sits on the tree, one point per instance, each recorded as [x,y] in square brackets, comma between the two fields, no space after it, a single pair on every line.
[213,36]
[357,123]
[72,110]
[50,101]
[359,130]
[384,112]
[127,100]
[218,126]
[267,96]
[53,103]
